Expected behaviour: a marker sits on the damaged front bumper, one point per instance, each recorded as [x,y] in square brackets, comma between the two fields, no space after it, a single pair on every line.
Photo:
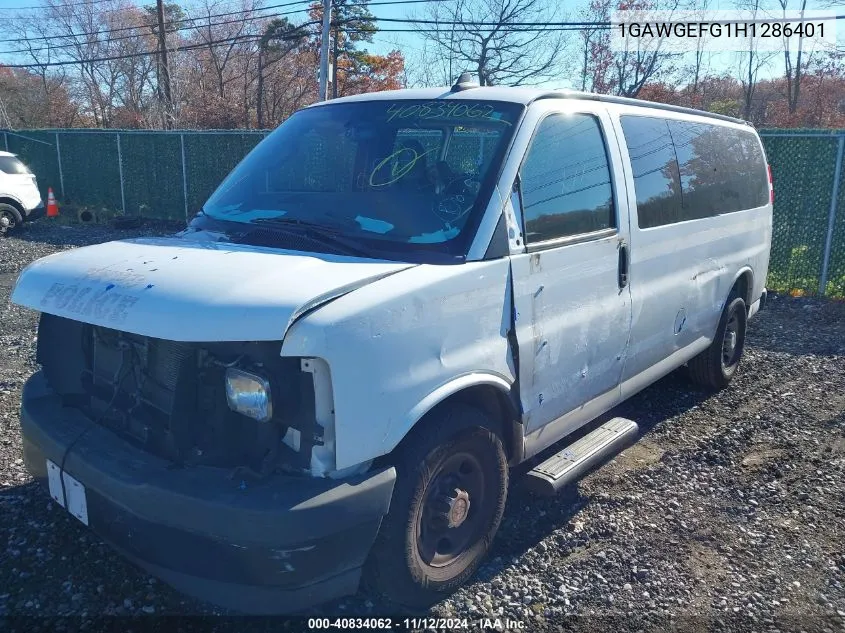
[275,546]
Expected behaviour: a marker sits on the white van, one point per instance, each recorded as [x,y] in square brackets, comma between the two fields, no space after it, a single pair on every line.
[20,199]
[390,301]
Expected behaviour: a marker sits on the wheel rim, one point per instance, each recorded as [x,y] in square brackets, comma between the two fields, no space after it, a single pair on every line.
[451,517]
[731,342]
[7,220]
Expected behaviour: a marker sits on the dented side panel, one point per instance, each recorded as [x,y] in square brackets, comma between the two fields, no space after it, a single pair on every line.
[572,316]
[681,275]
[404,340]
[572,326]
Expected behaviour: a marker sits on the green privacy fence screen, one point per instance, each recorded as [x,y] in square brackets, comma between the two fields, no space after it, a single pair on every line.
[168,175]
[165,175]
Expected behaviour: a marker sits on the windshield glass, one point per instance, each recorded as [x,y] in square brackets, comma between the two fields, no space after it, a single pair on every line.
[404,172]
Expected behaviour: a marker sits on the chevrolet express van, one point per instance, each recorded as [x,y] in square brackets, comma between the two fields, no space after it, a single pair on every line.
[391,301]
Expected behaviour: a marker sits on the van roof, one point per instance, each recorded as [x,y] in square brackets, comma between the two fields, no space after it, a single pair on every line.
[6,154]
[521,95]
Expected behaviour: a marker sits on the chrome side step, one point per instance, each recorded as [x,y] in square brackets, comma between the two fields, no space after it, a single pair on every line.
[576,459]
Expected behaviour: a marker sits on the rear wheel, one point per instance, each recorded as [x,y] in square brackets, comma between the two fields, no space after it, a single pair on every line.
[450,492]
[10,217]
[716,366]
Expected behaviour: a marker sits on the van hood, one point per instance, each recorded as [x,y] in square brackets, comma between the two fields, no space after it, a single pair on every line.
[180,290]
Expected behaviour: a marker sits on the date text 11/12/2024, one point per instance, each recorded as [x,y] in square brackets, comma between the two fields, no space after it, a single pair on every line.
[416,624]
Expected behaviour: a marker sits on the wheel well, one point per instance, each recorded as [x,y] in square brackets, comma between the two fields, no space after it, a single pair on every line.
[501,409]
[14,203]
[742,287]
[498,406]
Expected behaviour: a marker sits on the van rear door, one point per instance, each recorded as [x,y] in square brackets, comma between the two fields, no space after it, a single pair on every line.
[571,294]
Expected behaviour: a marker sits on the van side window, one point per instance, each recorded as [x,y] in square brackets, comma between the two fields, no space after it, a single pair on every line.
[565,179]
[722,169]
[685,170]
[657,182]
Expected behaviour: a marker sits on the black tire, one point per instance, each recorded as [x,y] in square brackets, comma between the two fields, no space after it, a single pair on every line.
[715,367]
[453,461]
[10,217]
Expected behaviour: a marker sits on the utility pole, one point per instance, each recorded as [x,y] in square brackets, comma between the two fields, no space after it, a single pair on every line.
[334,63]
[259,104]
[164,77]
[324,50]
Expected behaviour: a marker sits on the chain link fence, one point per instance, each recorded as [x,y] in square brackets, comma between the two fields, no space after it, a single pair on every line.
[164,175]
[169,175]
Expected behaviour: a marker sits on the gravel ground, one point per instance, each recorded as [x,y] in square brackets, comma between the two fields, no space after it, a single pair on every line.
[729,514]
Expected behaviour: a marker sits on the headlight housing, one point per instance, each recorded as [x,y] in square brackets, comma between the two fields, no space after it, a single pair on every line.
[249,394]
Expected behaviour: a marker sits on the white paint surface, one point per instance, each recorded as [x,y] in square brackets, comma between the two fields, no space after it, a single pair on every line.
[23,188]
[181,290]
[77,503]
[54,483]
[401,344]
[392,340]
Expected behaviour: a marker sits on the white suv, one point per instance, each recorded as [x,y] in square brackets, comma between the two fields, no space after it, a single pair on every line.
[19,196]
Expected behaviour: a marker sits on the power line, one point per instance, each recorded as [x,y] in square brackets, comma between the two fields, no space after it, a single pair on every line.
[255,38]
[136,35]
[88,2]
[179,21]
[512,27]
[308,3]
[187,47]
[509,28]
[47,6]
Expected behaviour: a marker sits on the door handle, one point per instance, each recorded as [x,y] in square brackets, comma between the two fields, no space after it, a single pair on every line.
[623,266]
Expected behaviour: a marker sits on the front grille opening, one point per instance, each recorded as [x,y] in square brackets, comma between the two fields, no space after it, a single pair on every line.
[168,397]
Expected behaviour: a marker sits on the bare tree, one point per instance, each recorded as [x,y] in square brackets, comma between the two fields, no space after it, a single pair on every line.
[223,69]
[593,45]
[280,38]
[796,58]
[427,66]
[642,59]
[30,34]
[700,56]
[751,61]
[486,36]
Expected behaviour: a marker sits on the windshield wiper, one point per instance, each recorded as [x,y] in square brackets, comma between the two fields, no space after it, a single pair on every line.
[317,232]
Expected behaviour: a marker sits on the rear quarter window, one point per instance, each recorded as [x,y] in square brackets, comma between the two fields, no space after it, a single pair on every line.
[722,169]
[11,165]
[687,170]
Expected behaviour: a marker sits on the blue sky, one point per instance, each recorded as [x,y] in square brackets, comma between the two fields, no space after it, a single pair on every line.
[409,43]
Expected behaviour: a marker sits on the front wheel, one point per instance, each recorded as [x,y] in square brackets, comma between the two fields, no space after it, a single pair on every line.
[9,218]
[715,366]
[450,492]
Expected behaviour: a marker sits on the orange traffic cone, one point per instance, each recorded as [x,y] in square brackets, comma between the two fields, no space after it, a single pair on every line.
[52,207]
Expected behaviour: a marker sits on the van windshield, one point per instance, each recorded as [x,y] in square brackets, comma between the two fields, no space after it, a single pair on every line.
[404,172]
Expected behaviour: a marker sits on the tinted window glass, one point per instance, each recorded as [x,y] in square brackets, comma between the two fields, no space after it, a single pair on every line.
[470,151]
[395,175]
[754,172]
[565,179]
[656,180]
[11,165]
[722,169]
